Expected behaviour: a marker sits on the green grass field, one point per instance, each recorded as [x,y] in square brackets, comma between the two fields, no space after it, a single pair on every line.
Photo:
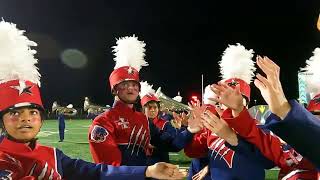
[76,145]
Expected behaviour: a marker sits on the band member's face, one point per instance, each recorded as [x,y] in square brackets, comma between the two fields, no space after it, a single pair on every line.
[151,110]
[23,124]
[128,90]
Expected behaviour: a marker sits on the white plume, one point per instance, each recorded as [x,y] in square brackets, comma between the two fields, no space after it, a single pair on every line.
[129,51]
[313,73]
[236,62]
[177,98]
[146,89]
[70,106]
[158,92]
[208,93]
[17,61]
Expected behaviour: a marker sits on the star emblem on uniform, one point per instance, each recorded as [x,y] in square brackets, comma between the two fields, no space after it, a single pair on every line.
[22,88]
[233,83]
[130,70]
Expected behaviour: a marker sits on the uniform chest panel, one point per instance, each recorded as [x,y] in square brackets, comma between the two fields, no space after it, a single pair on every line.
[40,163]
[131,129]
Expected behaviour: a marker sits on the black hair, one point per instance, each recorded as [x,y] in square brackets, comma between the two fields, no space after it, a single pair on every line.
[153,101]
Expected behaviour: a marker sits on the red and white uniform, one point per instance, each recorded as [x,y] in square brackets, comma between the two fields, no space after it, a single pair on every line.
[161,123]
[19,160]
[226,161]
[119,136]
[202,140]
[293,165]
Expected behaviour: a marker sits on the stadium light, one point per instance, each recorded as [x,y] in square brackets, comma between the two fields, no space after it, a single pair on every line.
[194,98]
[318,23]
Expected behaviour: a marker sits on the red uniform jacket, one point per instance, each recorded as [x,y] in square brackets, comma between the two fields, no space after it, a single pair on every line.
[19,161]
[293,165]
[160,123]
[225,161]
[119,136]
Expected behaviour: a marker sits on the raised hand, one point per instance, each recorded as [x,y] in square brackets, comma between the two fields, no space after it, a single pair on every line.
[164,170]
[176,122]
[270,87]
[228,96]
[201,174]
[219,127]
[179,120]
[194,121]
[184,118]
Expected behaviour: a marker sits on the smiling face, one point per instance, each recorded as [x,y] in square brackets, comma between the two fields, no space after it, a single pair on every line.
[23,124]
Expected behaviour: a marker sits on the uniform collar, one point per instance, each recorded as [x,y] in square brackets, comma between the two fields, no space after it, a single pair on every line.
[119,104]
[15,147]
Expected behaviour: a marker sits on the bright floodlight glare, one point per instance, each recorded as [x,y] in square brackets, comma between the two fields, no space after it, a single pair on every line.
[74,58]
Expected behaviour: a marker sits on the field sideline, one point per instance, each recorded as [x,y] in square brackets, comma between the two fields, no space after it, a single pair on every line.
[76,144]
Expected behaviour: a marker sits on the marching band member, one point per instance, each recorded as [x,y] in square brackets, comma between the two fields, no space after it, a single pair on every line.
[294,120]
[21,110]
[61,125]
[151,108]
[122,131]
[199,167]
[292,164]
[229,156]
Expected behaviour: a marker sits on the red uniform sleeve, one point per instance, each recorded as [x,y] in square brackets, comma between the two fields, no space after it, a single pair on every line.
[269,144]
[198,147]
[160,123]
[103,146]
[10,168]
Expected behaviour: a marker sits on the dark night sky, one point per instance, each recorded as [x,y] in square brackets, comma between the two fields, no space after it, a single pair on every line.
[184,40]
